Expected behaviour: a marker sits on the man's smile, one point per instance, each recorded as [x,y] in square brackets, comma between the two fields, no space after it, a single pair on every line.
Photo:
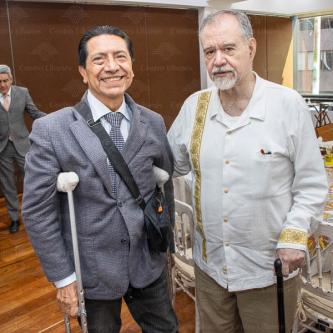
[110,79]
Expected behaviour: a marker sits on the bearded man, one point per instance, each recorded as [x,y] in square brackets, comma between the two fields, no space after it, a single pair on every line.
[258,183]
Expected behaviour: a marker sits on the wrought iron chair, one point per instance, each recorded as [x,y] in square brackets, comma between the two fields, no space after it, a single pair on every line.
[182,189]
[184,266]
[183,269]
[315,310]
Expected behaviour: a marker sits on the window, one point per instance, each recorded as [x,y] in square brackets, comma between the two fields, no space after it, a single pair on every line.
[306,24]
[313,70]
[326,61]
[327,22]
[304,61]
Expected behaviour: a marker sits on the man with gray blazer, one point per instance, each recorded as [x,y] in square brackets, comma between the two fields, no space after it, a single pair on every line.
[14,141]
[116,262]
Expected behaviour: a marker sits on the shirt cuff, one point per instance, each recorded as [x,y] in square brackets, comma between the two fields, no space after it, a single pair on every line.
[66,281]
[293,238]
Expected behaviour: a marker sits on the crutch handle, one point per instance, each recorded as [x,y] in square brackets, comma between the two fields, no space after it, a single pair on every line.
[67,181]
[278,267]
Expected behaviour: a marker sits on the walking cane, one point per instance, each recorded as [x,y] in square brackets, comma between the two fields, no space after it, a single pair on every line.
[280,300]
[67,182]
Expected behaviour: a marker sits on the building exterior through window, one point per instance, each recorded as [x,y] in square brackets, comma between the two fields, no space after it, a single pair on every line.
[313,71]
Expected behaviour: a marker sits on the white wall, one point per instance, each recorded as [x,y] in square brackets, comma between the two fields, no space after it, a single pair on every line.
[271,7]
[155,3]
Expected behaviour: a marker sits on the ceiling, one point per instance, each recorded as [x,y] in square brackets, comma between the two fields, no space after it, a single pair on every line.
[286,7]
[269,7]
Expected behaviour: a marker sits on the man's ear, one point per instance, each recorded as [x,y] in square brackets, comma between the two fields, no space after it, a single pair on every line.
[252,47]
[83,73]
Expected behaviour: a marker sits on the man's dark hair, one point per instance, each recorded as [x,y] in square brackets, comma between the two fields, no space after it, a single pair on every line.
[102,30]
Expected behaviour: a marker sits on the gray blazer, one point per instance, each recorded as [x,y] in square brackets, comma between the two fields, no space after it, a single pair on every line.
[112,241]
[12,122]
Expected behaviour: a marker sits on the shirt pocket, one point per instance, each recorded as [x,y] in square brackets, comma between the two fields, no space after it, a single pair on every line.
[263,173]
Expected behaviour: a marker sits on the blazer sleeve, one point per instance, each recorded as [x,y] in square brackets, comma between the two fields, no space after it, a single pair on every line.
[166,163]
[41,207]
[31,108]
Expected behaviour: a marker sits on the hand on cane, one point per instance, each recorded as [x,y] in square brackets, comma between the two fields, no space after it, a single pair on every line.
[67,299]
[291,260]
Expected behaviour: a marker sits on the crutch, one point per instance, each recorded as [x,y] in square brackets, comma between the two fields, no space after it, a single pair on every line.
[280,300]
[67,182]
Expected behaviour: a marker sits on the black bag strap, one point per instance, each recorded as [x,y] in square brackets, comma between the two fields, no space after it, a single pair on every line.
[114,157]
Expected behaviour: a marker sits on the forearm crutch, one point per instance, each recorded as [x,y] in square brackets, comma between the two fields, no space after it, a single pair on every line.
[280,299]
[67,182]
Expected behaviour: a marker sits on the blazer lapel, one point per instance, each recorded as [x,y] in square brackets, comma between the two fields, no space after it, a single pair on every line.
[2,108]
[90,144]
[137,134]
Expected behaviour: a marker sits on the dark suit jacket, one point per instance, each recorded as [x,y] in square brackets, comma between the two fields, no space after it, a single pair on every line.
[112,241]
[12,122]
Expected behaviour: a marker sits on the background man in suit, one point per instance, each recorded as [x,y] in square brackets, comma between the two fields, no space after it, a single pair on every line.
[14,141]
[115,260]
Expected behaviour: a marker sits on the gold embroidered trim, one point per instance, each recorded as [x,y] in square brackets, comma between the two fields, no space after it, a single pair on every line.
[199,123]
[293,236]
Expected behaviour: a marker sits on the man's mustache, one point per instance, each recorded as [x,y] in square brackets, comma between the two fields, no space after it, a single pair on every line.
[221,70]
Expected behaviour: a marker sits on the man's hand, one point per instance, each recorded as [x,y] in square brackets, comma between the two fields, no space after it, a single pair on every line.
[67,299]
[291,260]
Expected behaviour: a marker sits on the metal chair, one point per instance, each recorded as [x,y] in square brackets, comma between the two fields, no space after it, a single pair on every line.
[184,266]
[182,189]
[315,310]
[183,269]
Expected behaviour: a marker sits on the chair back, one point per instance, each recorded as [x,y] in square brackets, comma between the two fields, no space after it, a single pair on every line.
[182,189]
[183,270]
[184,228]
[316,293]
[318,271]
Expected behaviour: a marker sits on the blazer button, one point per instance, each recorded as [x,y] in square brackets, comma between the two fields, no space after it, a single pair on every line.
[119,204]
[123,241]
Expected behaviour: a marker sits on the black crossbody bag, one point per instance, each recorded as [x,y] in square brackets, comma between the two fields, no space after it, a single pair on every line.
[157,220]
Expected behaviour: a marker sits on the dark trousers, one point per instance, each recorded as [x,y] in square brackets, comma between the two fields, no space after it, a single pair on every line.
[150,307]
[7,178]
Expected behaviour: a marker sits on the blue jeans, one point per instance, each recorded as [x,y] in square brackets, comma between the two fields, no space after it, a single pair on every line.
[150,307]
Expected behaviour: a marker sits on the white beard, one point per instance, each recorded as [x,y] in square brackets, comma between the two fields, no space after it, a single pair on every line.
[225,83]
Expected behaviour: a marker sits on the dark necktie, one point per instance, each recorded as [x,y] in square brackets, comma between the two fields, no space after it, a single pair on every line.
[115,118]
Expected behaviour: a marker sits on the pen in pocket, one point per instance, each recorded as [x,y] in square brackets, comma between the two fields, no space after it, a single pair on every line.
[265,152]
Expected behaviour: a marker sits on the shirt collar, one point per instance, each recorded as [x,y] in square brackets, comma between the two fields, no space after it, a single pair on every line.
[257,96]
[99,110]
[257,103]
[8,93]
